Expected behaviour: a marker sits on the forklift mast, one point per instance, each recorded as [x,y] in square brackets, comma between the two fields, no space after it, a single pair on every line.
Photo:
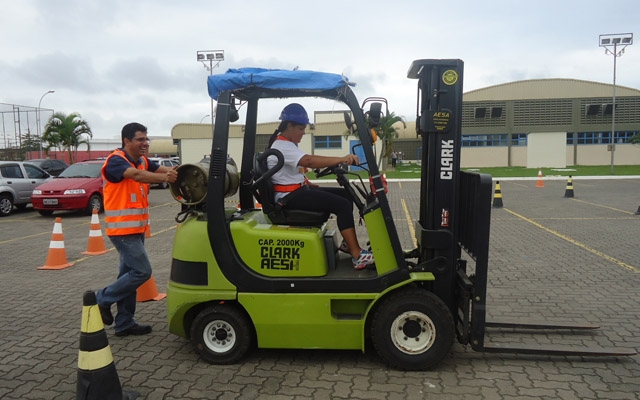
[439,123]
[455,215]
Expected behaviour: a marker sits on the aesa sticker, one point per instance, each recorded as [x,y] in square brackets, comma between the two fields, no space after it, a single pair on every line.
[450,77]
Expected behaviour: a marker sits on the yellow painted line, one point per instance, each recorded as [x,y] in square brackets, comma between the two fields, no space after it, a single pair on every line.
[575,242]
[588,218]
[113,248]
[406,212]
[511,182]
[41,233]
[173,203]
[600,205]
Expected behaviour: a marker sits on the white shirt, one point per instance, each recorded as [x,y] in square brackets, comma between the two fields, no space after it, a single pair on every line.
[290,173]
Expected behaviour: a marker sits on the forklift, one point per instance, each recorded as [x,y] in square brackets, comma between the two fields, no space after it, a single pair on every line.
[244,276]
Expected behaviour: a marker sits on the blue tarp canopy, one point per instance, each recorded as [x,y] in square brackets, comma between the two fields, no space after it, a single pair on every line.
[275,80]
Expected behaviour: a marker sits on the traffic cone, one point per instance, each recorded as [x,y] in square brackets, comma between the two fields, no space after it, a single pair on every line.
[95,246]
[569,191]
[149,291]
[540,182]
[97,375]
[57,257]
[497,197]
[147,230]
[638,211]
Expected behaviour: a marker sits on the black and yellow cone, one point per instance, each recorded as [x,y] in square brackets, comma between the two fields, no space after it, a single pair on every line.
[497,197]
[97,375]
[638,212]
[569,191]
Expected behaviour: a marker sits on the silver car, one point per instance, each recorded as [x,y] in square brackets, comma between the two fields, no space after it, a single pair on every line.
[17,181]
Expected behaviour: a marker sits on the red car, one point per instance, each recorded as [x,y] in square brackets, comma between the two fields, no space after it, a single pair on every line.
[79,187]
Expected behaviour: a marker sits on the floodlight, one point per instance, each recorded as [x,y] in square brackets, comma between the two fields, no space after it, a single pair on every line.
[614,44]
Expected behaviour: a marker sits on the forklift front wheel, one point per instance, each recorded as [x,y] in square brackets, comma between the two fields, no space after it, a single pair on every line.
[221,334]
[412,329]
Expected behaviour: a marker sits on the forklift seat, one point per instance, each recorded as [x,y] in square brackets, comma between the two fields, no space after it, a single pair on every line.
[262,189]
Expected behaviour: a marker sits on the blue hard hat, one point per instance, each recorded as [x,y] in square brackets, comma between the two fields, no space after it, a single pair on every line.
[294,112]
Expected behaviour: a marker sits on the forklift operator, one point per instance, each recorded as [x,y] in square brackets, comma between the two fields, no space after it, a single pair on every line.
[290,181]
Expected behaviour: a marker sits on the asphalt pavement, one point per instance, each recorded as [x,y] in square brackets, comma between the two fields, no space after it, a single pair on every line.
[554,258]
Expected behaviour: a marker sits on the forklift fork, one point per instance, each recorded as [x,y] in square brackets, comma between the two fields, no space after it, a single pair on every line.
[472,292]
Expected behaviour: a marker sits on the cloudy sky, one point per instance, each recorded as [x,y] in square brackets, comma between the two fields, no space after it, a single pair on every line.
[117,61]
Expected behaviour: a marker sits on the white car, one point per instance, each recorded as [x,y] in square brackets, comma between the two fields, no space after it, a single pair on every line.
[167,162]
[17,181]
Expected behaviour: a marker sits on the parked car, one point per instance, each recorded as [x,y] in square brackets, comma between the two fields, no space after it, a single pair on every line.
[78,187]
[167,162]
[51,166]
[17,181]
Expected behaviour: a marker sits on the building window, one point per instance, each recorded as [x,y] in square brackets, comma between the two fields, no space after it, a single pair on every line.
[327,142]
[518,139]
[493,140]
[621,137]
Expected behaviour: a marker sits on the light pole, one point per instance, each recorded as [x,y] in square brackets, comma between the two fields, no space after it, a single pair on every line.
[38,118]
[609,42]
[210,56]
[204,118]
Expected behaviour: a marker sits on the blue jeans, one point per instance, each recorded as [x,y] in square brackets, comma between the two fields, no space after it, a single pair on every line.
[135,269]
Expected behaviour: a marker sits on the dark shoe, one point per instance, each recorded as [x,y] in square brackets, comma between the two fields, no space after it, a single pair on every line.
[107,317]
[135,330]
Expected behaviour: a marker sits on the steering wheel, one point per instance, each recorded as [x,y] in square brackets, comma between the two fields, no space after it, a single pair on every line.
[340,169]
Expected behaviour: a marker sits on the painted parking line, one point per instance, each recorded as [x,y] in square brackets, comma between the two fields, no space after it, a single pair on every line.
[412,232]
[575,242]
[603,206]
[47,232]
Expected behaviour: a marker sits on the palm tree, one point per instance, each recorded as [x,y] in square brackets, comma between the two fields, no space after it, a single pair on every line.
[387,132]
[67,132]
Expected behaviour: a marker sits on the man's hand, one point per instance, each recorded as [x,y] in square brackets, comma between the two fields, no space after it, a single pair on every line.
[171,176]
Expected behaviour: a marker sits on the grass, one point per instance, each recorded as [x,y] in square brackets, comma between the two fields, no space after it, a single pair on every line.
[408,171]
[413,171]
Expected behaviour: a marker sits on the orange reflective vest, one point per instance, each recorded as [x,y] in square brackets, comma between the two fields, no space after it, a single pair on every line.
[126,206]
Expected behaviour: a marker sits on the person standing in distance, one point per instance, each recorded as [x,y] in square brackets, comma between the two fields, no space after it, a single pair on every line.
[127,173]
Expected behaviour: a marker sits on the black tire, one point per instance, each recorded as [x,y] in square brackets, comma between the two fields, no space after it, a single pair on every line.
[45,213]
[412,329]
[222,334]
[94,202]
[6,205]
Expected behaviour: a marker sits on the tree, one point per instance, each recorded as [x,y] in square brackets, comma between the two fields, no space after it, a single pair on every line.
[635,139]
[387,132]
[67,132]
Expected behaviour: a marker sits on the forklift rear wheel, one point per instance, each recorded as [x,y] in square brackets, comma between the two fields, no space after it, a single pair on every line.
[412,329]
[221,334]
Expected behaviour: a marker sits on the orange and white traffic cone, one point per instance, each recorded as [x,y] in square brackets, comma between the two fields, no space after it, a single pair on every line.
[147,230]
[57,257]
[149,291]
[95,246]
[540,182]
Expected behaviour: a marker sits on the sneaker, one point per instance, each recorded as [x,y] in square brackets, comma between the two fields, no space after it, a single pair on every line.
[107,317]
[135,330]
[343,247]
[366,258]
